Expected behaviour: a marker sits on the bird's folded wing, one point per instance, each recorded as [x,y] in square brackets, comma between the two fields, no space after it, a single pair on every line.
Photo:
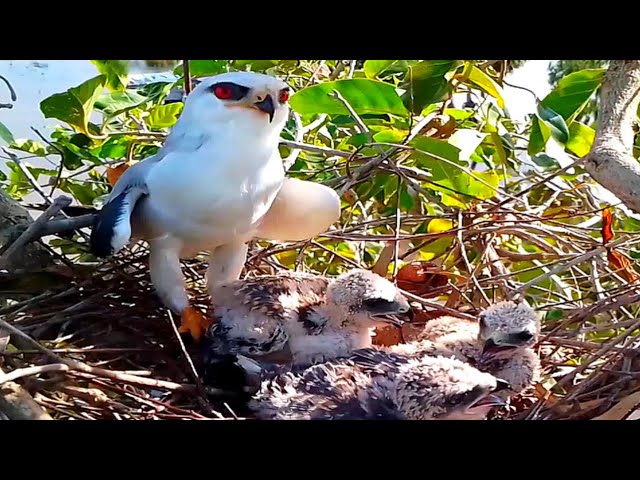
[112,228]
[377,361]
[240,337]
[300,211]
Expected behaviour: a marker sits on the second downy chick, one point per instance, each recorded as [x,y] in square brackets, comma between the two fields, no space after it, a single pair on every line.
[372,384]
[500,343]
[300,318]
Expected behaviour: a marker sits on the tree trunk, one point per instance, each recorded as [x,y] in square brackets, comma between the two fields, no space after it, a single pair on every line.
[14,218]
[611,162]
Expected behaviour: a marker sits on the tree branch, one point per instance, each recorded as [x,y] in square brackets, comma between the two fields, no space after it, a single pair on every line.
[610,161]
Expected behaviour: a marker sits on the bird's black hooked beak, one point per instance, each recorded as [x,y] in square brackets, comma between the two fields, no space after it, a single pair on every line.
[267,106]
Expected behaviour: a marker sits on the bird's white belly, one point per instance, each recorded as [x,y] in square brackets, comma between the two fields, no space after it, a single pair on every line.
[206,204]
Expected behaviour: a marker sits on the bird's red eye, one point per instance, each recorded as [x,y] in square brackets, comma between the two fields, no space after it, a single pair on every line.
[223,92]
[284,96]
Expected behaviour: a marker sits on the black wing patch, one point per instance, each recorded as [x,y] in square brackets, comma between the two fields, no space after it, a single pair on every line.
[103,226]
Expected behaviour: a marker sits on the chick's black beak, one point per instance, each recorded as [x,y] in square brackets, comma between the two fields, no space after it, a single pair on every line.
[267,106]
[489,346]
[501,385]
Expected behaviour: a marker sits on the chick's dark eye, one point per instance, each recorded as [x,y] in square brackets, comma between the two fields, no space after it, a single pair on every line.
[376,303]
[284,95]
[525,336]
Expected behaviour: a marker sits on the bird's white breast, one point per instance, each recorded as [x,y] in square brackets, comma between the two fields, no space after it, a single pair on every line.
[217,190]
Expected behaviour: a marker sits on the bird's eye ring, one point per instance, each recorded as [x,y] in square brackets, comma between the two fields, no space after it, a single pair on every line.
[284,95]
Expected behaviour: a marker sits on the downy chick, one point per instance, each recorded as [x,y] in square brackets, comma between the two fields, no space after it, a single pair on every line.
[373,384]
[300,318]
[500,343]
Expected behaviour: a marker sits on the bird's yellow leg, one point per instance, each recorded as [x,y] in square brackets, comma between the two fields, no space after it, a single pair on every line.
[194,322]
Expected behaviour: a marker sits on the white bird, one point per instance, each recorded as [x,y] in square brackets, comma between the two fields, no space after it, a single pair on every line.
[217,183]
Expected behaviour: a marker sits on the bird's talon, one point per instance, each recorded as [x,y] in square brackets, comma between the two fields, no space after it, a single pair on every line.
[194,322]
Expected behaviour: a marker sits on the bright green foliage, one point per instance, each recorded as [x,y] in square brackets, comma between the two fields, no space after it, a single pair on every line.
[464,158]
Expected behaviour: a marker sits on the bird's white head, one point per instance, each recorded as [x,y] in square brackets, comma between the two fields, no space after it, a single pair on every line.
[254,102]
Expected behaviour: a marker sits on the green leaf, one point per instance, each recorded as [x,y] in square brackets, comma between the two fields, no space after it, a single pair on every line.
[116,72]
[364,95]
[390,136]
[204,68]
[6,134]
[545,161]
[406,200]
[373,68]
[485,83]
[390,187]
[115,103]
[82,192]
[538,137]
[438,225]
[580,138]
[425,83]
[76,104]
[29,146]
[555,121]
[164,116]
[573,92]
[156,90]
[114,148]
[458,188]
[255,65]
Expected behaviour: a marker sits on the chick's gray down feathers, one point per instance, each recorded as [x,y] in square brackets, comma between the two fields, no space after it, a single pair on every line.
[301,318]
[373,384]
[500,343]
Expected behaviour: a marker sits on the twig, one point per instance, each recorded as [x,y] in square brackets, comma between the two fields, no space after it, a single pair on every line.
[187,77]
[58,204]
[14,97]
[26,372]
[315,148]
[465,259]
[54,227]
[203,393]
[336,71]
[437,306]
[569,264]
[361,125]
[27,174]
[84,368]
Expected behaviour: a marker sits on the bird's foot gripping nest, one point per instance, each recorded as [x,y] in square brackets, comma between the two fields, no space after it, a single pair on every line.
[194,322]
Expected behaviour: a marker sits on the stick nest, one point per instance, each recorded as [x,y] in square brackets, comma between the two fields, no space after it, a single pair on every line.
[108,317]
